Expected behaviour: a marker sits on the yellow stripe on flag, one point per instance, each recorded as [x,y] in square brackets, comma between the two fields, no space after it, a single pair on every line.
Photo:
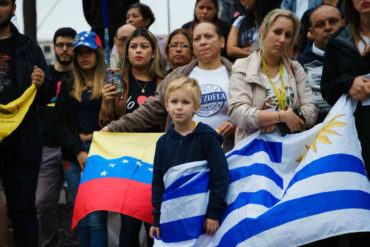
[115,145]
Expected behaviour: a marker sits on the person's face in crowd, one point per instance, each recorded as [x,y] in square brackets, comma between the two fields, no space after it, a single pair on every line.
[86,58]
[135,18]
[120,39]
[206,42]
[362,6]
[140,52]
[179,51]
[278,39]
[205,10]
[7,10]
[324,22]
[63,49]
[248,4]
[181,106]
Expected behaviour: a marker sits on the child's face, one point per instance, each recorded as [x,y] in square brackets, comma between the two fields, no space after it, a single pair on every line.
[181,106]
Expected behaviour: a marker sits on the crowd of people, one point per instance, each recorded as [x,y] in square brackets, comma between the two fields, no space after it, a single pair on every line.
[216,80]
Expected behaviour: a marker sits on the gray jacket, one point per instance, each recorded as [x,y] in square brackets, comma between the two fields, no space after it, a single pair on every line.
[153,112]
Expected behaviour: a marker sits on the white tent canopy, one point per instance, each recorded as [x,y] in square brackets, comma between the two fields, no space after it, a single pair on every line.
[54,14]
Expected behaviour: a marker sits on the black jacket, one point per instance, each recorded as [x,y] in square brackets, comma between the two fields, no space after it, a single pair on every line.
[68,124]
[27,55]
[342,64]
[93,11]
[174,149]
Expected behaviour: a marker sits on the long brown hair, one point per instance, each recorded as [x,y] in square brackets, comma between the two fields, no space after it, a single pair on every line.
[156,69]
[80,79]
[353,18]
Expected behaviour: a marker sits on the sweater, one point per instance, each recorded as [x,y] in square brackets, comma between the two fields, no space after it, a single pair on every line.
[175,149]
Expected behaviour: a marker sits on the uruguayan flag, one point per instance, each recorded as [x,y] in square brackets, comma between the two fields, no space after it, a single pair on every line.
[284,191]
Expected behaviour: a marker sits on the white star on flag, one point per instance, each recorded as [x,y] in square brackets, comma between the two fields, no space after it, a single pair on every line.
[82,38]
[138,163]
[150,169]
[103,173]
[124,161]
[112,165]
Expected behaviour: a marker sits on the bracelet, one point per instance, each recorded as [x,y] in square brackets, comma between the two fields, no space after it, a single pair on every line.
[278,116]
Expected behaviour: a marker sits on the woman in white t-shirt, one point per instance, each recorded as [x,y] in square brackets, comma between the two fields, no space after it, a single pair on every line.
[266,86]
[213,76]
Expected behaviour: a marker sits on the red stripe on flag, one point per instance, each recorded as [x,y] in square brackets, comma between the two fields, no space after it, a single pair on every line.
[124,196]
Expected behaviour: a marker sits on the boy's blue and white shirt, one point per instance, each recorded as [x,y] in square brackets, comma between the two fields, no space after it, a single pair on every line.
[283,191]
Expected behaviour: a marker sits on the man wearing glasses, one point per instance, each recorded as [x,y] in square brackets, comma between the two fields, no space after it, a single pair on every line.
[51,167]
[119,41]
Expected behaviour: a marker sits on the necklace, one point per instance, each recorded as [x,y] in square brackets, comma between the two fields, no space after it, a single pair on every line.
[141,87]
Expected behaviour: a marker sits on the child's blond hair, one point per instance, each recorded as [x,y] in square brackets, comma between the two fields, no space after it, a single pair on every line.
[186,83]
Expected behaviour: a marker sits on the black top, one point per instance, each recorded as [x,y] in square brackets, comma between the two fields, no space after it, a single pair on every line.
[49,121]
[88,113]
[174,149]
[27,54]
[138,92]
[8,86]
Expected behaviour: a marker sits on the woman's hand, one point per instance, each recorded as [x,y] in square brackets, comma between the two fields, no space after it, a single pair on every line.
[81,158]
[268,129]
[360,89]
[105,129]
[226,128]
[291,119]
[211,226]
[156,230]
[109,92]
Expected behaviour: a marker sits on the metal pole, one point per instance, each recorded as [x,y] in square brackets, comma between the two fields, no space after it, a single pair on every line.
[168,17]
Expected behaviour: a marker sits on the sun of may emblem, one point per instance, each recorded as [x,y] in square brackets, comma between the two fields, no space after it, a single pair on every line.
[322,137]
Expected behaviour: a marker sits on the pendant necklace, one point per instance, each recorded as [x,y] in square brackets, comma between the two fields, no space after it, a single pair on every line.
[141,87]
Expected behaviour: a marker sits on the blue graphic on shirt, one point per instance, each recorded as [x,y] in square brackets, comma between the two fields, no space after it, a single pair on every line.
[212,100]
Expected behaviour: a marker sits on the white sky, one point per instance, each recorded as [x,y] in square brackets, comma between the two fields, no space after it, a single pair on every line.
[54,14]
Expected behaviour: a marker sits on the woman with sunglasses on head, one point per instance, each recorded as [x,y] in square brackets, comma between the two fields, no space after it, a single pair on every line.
[266,86]
[77,109]
[141,73]
[179,49]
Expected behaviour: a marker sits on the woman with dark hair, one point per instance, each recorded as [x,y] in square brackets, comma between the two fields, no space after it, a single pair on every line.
[141,73]
[141,16]
[179,48]
[347,68]
[207,10]
[244,31]
[77,109]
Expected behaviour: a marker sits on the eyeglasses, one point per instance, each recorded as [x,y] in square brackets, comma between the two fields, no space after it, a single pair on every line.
[61,45]
[182,45]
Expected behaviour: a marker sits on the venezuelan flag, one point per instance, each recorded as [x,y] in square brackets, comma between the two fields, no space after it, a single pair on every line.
[118,176]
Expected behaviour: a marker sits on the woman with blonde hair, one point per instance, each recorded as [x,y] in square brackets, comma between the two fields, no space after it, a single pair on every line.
[267,87]
[141,72]
[77,109]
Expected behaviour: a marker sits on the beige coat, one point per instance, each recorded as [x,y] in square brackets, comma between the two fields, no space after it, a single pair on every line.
[247,94]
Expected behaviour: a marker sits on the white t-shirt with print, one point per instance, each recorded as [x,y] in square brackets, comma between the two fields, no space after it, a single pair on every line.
[271,101]
[213,104]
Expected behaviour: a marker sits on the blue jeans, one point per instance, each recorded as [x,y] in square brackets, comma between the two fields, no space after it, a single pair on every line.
[93,227]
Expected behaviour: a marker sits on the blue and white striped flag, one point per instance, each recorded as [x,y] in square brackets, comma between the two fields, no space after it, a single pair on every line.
[284,191]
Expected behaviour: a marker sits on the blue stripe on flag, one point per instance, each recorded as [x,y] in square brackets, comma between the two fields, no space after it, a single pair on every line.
[180,181]
[261,197]
[198,185]
[256,169]
[295,210]
[273,149]
[182,230]
[125,167]
[330,163]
